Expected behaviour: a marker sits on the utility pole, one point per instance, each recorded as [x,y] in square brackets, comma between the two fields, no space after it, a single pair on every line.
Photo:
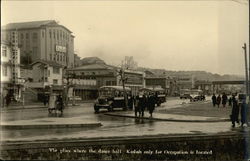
[246,70]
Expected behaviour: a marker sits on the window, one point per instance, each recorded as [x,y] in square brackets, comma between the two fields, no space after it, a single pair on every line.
[54,35]
[49,33]
[50,56]
[4,51]
[108,83]
[55,81]
[56,70]
[21,35]
[60,57]
[42,33]
[35,50]
[57,57]
[27,35]
[34,36]
[57,34]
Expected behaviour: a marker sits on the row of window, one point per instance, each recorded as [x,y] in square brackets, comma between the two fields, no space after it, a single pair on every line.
[58,35]
[58,57]
[27,36]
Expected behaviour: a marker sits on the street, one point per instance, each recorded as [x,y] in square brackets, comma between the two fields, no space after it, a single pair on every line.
[111,126]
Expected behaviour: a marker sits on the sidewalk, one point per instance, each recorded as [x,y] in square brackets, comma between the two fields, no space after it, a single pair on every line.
[188,112]
[38,105]
[169,117]
[51,122]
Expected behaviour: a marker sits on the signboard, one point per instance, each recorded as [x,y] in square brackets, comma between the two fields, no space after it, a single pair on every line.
[60,48]
[134,78]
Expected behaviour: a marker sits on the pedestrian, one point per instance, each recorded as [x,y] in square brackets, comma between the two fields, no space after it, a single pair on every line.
[235,112]
[7,99]
[60,103]
[214,100]
[218,100]
[143,104]
[45,99]
[230,101]
[224,100]
[151,104]
[243,112]
[130,102]
[137,106]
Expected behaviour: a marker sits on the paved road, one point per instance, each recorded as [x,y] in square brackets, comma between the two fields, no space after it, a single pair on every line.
[112,126]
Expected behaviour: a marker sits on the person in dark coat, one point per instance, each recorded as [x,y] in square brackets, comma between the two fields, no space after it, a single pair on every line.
[214,100]
[7,99]
[45,99]
[60,104]
[224,99]
[230,101]
[235,112]
[151,104]
[243,112]
[137,106]
[143,104]
[218,100]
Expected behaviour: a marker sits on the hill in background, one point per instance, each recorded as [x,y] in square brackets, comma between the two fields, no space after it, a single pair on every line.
[199,75]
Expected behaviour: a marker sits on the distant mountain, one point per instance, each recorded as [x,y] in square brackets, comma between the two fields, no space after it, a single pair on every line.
[91,60]
[198,75]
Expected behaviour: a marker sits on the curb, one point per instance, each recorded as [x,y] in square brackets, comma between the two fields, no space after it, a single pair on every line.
[170,120]
[44,126]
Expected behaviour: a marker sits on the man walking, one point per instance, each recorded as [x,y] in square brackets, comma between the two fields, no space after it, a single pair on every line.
[224,99]
[214,100]
[218,100]
[151,104]
[235,112]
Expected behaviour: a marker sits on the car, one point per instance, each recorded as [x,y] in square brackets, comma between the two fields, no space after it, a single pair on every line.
[157,91]
[185,96]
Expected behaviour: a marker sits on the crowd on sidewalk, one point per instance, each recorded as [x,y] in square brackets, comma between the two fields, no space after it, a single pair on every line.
[238,104]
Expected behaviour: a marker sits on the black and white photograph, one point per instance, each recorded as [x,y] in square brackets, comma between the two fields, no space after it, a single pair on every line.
[125,80]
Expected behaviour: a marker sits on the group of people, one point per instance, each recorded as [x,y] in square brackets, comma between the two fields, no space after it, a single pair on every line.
[220,100]
[55,102]
[238,107]
[143,102]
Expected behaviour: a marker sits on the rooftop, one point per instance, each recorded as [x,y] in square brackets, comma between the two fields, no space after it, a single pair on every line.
[94,66]
[30,24]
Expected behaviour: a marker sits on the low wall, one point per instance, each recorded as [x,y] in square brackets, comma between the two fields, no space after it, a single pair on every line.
[184,147]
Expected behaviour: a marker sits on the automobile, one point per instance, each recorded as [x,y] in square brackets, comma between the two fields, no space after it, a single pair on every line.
[157,91]
[196,95]
[185,96]
[111,97]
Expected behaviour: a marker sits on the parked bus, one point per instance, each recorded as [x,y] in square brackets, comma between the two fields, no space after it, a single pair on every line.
[111,97]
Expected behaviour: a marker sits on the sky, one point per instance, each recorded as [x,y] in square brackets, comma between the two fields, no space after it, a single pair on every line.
[173,35]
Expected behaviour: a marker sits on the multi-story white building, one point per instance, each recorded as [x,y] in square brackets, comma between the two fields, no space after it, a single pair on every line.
[46,73]
[10,70]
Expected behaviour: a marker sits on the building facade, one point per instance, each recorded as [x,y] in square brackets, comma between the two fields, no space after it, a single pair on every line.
[104,75]
[10,70]
[46,73]
[42,40]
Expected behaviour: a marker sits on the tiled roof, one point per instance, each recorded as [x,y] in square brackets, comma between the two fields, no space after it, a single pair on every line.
[50,63]
[94,66]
